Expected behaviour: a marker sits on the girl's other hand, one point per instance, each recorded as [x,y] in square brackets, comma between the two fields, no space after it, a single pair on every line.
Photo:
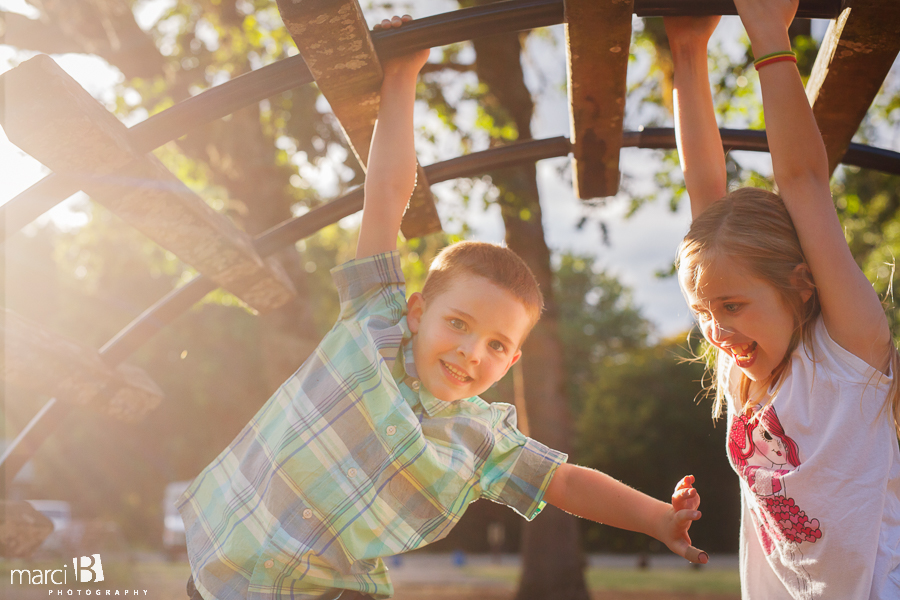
[405,64]
[690,31]
[767,22]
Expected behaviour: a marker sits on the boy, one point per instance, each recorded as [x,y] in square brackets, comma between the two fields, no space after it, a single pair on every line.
[379,442]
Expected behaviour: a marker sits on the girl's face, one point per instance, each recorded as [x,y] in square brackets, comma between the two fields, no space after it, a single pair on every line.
[769,446]
[743,316]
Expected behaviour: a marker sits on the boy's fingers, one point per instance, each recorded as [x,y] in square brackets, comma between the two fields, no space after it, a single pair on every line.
[396,21]
[688,515]
[696,555]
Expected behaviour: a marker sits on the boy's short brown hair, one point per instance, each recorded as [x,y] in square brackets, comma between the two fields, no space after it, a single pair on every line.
[501,266]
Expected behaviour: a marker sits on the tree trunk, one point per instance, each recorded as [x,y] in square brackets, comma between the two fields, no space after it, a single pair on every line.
[553,562]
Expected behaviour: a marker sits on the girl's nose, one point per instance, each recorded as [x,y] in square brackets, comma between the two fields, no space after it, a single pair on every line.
[717,332]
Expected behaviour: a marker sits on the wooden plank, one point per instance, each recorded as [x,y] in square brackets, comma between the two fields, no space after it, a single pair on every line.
[22,529]
[855,56]
[39,360]
[50,116]
[334,40]
[598,38]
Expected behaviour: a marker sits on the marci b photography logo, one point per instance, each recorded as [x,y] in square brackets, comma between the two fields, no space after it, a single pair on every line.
[86,569]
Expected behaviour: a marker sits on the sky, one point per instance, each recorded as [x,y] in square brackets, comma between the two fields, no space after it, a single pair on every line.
[638,247]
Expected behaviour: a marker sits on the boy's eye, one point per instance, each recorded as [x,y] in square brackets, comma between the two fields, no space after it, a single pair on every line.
[457,324]
[498,346]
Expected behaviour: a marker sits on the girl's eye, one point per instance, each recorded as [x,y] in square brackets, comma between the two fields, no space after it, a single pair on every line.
[498,346]
[767,436]
[731,307]
[457,324]
[702,316]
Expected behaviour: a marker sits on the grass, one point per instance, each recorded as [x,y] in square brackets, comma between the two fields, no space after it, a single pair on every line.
[165,580]
[632,580]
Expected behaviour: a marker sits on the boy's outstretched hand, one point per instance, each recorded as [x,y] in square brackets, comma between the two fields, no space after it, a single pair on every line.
[685,502]
[596,496]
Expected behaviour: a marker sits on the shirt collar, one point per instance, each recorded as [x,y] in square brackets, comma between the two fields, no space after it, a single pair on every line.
[431,404]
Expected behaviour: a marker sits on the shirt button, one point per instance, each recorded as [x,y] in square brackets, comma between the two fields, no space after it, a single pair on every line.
[415,385]
[391,430]
[307,514]
[269,563]
[351,472]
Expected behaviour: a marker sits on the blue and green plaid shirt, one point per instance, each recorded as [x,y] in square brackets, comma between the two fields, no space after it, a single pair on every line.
[351,461]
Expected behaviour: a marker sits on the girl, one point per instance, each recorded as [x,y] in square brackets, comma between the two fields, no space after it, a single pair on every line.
[797,329]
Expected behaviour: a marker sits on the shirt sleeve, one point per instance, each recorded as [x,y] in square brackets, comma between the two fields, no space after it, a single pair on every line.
[519,469]
[371,285]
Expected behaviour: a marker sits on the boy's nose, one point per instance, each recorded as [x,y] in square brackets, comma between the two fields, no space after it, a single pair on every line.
[469,351]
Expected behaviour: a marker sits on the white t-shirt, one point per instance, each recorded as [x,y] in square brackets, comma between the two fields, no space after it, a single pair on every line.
[820,482]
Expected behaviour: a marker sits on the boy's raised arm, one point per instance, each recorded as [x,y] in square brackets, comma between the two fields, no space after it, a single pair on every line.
[696,131]
[596,496]
[391,173]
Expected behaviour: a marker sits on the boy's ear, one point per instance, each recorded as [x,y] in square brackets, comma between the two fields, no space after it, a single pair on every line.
[801,279]
[514,360]
[415,308]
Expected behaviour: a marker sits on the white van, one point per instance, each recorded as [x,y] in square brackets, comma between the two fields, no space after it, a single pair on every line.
[173,527]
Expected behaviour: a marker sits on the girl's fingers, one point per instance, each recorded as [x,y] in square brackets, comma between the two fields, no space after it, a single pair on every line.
[396,21]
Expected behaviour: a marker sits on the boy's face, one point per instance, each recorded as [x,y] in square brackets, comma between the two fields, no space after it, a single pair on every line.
[467,337]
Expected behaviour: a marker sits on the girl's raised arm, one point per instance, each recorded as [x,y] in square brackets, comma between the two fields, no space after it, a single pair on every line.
[696,131]
[851,308]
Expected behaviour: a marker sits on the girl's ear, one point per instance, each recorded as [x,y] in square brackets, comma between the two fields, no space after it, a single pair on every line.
[801,279]
[415,308]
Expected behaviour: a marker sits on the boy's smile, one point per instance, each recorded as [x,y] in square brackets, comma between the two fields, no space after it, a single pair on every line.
[467,337]
[743,316]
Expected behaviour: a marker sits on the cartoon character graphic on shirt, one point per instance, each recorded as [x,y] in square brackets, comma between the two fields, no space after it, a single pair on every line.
[762,453]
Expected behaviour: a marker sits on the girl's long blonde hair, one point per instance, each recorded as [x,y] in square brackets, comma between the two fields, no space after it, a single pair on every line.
[753,228]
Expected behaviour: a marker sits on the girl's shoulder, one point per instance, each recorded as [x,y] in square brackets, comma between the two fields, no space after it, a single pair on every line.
[820,351]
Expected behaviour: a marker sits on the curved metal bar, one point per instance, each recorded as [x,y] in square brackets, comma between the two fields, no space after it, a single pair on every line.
[180,300]
[219,101]
[448,28]
[814,9]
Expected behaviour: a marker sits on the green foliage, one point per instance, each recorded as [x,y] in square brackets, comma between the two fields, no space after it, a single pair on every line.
[642,423]
[598,321]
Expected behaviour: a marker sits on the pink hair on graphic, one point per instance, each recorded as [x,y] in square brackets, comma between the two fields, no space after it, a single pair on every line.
[740,439]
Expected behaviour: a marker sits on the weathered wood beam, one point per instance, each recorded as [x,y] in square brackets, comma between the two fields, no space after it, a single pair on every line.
[855,57]
[22,529]
[598,35]
[39,360]
[334,40]
[49,115]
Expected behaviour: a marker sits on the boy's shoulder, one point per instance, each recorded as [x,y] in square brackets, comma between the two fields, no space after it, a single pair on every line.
[372,284]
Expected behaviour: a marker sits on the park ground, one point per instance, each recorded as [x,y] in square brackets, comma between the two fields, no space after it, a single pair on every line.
[416,577]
